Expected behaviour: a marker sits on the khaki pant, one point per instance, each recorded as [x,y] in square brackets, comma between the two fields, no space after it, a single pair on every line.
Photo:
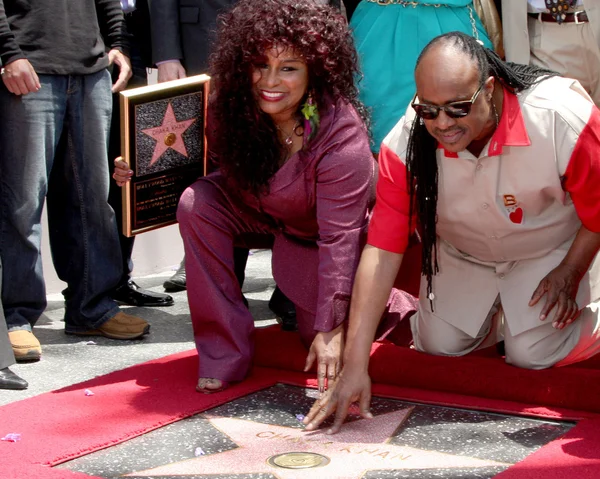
[537,348]
[570,49]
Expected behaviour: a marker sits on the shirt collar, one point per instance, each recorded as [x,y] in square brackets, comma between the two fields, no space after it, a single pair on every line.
[511,129]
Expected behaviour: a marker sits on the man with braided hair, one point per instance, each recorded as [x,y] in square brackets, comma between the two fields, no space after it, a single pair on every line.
[498,163]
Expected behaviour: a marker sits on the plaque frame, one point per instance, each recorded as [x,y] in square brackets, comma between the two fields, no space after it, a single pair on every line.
[131,99]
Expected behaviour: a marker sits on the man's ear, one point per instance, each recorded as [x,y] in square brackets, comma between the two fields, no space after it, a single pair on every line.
[490,83]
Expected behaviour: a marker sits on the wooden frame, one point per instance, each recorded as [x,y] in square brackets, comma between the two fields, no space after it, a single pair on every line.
[163,141]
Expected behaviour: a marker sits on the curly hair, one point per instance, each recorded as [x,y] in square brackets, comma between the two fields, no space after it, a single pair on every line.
[245,139]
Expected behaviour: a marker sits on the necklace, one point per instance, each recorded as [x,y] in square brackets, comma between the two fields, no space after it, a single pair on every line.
[288,138]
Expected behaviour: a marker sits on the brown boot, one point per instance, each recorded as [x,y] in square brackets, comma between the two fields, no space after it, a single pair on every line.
[120,326]
[25,345]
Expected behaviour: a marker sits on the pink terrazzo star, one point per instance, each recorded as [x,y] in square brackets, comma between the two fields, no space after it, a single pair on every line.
[169,134]
[361,446]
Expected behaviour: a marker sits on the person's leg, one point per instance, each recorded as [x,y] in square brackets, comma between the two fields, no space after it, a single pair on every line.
[178,281]
[544,346]
[8,379]
[83,233]
[223,326]
[432,335]
[127,291]
[240,260]
[30,127]
[569,49]
[284,309]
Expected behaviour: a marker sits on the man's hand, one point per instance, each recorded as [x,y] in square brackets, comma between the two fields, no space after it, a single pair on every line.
[350,387]
[116,57]
[327,349]
[20,78]
[170,70]
[122,173]
[560,287]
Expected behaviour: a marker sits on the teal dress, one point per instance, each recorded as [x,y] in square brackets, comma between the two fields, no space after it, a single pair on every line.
[389,38]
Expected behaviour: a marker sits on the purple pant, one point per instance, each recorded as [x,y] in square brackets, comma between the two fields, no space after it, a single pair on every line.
[223,327]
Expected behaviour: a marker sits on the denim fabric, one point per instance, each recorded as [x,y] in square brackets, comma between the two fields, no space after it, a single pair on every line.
[138,79]
[54,144]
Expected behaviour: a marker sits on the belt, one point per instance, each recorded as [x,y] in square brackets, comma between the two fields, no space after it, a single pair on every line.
[574,17]
[406,3]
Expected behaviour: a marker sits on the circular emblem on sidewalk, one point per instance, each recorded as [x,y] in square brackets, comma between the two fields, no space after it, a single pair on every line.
[170,139]
[298,460]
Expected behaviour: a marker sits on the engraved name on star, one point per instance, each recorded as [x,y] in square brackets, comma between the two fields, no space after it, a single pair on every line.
[360,446]
[169,134]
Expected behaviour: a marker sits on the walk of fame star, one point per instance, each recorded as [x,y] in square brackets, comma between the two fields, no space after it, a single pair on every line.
[169,134]
[360,446]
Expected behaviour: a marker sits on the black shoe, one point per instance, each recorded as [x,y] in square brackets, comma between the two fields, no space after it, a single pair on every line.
[284,309]
[177,282]
[9,380]
[131,294]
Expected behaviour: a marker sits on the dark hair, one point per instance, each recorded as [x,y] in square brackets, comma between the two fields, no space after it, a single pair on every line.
[421,160]
[245,138]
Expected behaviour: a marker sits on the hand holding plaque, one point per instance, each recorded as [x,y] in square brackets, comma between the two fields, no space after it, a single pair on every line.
[163,143]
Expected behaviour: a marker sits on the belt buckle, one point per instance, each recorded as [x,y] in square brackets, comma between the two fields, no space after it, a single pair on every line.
[576,15]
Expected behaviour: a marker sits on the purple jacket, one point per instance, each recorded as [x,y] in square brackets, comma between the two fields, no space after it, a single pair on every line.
[319,204]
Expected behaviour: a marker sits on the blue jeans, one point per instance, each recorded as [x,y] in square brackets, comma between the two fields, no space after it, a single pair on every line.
[53,144]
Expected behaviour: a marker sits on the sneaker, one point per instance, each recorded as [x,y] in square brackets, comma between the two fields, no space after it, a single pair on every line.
[25,345]
[177,281]
[120,326]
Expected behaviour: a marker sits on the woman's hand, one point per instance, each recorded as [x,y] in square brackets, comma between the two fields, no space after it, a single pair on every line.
[560,288]
[121,174]
[352,386]
[327,349]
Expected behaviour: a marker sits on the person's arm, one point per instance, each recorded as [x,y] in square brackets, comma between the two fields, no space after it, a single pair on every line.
[170,70]
[9,48]
[561,284]
[379,265]
[167,52]
[580,179]
[344,192]
[374,280]
[112,22]
[18,75]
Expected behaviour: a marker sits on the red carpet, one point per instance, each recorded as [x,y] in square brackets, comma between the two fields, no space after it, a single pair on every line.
[65,424]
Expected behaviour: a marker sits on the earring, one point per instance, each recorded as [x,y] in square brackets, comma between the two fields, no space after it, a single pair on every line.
[310,112]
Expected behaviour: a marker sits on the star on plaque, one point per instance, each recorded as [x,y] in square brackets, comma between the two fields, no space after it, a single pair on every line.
[169,135]
[361,446]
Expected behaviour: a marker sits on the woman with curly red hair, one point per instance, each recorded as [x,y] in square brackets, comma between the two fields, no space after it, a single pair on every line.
[288,132]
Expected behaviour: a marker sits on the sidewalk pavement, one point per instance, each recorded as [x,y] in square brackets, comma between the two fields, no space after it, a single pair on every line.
[68,360]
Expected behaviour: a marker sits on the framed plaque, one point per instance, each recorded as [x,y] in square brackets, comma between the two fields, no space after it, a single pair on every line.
[163,141]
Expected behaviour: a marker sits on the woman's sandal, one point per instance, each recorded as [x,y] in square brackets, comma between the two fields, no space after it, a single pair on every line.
[203,382]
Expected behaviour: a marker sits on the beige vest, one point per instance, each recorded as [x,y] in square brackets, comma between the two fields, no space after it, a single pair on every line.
[516,36]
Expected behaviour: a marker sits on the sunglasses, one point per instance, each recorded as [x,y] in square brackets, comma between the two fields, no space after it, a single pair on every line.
[455,109]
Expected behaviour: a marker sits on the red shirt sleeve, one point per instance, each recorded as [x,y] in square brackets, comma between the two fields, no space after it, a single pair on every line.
[389,228]
[582,176]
